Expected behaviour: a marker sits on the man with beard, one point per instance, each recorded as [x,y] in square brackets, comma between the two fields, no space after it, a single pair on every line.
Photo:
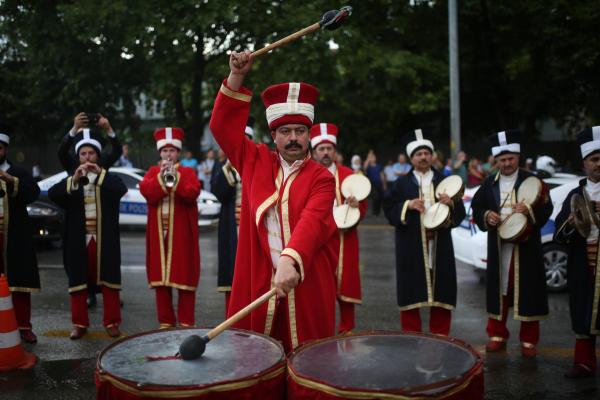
[515,273]
[286,219]
[425,266]
[584,277]
[172,250]
[17,254]
[92,246]
[226,185]
[323,140]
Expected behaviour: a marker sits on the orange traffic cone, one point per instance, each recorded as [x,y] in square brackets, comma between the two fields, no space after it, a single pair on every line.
[12,353]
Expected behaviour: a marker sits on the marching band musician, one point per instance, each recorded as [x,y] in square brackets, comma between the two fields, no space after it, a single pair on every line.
[17,253]
[583,276]
[172,249]
[92,246]
[515,271]
[226,185]
[286,219]
[323,140]
[425,266]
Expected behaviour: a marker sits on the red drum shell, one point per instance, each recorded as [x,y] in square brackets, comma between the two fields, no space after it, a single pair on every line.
[236,364]
[385,365]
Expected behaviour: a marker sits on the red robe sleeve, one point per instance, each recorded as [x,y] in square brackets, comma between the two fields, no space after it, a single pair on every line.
[187,189]
[315,225]
[228,122]
[152,187]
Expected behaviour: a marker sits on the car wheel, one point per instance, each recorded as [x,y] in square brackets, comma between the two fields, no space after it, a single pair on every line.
[555,264]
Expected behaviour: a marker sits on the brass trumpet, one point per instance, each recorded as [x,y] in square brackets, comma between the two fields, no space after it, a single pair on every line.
[170,175]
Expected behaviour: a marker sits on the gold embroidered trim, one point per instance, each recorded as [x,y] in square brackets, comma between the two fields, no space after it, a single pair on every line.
[351,394]
[77,288]
[349,299]
[235,95]
[426,304]
[195,392]
[403,212]
[288,251]
[23,289]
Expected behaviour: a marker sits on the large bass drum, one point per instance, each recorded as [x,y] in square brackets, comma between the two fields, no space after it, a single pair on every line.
[385,365]
[237,364]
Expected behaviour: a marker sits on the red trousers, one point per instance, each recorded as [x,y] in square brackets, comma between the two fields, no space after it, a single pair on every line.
[496,329]
[21,300]
[186,304]
[585,352]
[110,297]
[439,320]
[22,305]
[346,316]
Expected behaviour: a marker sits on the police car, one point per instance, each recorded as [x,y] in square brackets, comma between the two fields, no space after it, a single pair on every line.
[133,207]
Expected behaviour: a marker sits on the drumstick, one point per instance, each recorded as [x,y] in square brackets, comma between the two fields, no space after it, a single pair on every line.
[437,209]
[330,20]
[194,346]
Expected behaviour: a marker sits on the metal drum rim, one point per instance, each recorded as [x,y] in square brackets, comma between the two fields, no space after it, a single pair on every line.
[174,391]
[353,393]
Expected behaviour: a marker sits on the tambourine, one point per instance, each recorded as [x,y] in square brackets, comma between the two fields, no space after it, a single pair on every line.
[345,216]
[452,185]
[437,216]
[515,228]
[531,191]
[356,185]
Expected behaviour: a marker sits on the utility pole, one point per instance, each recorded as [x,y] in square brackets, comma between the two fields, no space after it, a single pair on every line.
[455,144]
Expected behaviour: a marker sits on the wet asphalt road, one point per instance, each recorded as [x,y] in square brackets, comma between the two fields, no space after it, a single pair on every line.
[65,368]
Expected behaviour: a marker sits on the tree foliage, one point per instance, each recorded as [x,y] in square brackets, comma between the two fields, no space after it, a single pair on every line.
[522,62]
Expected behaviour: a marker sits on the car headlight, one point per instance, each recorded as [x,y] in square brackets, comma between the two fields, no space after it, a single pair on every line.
[40,211]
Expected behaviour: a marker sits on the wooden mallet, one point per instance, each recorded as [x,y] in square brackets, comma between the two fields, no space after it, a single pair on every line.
[194,346]
[331,20]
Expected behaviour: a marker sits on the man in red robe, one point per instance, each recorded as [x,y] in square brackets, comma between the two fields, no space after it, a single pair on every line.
[286,219]
[172,252]
[323,140]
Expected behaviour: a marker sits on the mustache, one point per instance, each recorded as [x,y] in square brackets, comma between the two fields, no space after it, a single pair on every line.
[293,144]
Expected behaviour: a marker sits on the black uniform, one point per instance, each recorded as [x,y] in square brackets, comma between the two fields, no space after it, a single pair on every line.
[19,253]
[531,298]
[225,189]
[109,190]
[584,285]
[416,287]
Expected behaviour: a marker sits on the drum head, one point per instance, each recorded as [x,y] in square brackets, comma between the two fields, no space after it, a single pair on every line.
[451,185]
[386,362]
[529,191]
[233,355]
[356,185]
[436,216]
[512,226]
[345,216]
